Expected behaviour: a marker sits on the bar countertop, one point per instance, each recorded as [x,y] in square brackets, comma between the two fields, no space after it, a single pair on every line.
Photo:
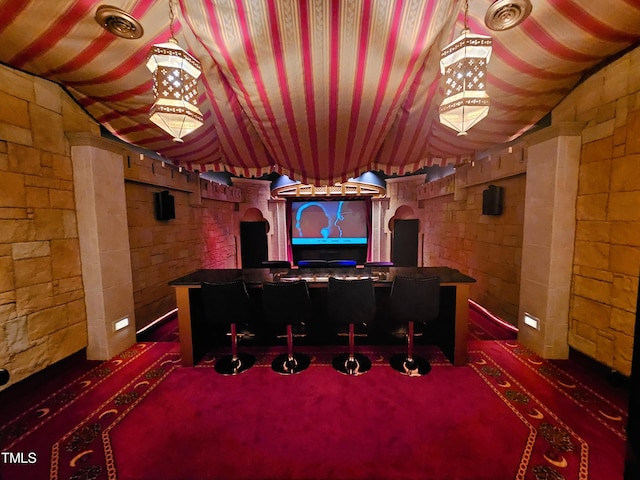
[257,276]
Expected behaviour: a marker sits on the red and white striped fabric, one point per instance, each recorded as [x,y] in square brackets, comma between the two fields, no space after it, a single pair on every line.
[320,90]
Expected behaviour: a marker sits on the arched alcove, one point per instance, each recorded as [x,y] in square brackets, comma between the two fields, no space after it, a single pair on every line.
[403,212]
[404,227]
[255,215]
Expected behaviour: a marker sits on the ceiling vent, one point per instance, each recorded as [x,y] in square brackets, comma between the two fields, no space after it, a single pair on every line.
[118,22]
[506,14]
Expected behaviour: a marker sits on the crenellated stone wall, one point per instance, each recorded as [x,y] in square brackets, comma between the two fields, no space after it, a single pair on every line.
[42,301]
[607,247]
[201,235]
[487,248]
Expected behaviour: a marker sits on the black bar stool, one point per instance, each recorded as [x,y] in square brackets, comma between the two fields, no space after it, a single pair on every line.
[312,264]
[228,304]
[341,263]
[378,264]
[286,308]
[351,306]
[276,264]
[414,301]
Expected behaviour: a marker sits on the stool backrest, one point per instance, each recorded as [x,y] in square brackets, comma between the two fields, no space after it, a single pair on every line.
[276,264]
[226,303]
[351,301]
[378,264]
[285,303]
[341,263]
[312,263]
[415,299]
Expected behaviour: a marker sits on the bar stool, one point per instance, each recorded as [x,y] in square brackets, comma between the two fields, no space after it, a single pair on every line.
[351,306]
[286,307]
[228,305]
[341,263]
[413,301]
[276,264]
[378,264]
[312,264]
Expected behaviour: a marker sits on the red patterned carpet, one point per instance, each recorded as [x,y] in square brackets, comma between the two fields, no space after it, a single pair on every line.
[506,415]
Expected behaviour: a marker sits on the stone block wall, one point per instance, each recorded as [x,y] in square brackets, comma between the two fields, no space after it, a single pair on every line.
[201,235]
[42,301]
[487,248]
[219,235]
[607,247]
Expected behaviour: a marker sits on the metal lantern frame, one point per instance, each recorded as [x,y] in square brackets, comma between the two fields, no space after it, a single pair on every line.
[175,87]
[463,63]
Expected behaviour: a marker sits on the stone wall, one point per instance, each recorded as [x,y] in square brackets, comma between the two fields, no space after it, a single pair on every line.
[42,307]
[201,235]
[607,247]
[487,248]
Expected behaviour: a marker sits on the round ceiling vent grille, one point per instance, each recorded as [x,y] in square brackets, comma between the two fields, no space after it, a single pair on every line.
[118,22]
[506,14]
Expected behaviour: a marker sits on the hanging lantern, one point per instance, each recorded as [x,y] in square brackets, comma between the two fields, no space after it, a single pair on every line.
[464,65]
[175,87]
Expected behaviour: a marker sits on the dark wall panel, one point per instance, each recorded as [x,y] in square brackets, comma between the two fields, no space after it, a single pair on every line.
[253,244]
[404,244]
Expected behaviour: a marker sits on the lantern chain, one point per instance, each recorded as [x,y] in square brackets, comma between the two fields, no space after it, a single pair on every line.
[172,17]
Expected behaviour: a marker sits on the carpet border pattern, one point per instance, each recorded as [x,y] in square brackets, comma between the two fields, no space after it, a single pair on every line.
[602,410]
[62,399]
[550,438]
[71,454]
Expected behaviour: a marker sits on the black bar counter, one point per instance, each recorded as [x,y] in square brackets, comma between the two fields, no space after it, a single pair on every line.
[449,330]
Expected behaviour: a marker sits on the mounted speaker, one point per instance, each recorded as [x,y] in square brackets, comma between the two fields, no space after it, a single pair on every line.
[492,200]
[164,205]
[4,376]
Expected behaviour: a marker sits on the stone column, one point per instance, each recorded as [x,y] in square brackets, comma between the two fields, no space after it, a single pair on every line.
[548,238]
[377,229]
[278,234]
[98,176]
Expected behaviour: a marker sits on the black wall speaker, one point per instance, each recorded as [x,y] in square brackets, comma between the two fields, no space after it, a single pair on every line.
[4,376]
[164,205]
[492,200]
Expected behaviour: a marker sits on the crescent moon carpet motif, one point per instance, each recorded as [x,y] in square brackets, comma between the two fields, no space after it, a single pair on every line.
[75,459]
[107,412]
[535,413]
[561,462]
[568,385]
[616,418]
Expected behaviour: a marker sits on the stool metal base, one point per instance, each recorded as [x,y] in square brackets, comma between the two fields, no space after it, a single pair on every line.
[285,366]
[358,365]
[229,366]
[415,367]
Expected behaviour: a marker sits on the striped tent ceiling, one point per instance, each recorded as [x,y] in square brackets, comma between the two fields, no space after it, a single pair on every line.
[319,90]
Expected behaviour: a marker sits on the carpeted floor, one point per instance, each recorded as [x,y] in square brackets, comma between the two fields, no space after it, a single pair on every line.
[506,415]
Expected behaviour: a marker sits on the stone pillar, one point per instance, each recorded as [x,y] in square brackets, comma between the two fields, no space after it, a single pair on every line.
[379,231]
[98,176]
[278,235]
[548,238]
